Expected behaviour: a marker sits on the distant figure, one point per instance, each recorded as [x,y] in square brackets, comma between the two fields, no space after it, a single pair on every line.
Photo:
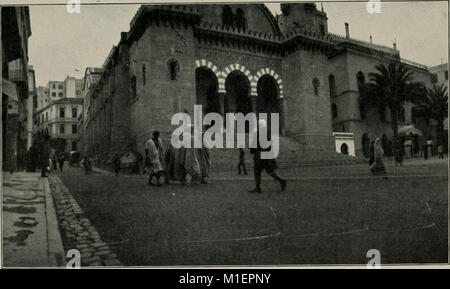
[116,164]
[242,161]
[425,150]
[44,153]
[61,160]
[54,162]
[87,165]
[441,151]
[269,165]
[154,153]
[371,153]
[398,153]
[378,165]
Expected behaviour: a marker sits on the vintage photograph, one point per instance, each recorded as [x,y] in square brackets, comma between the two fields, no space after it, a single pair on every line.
[224,134]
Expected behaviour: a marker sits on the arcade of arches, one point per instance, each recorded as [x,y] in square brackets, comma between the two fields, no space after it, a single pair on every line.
[237,97]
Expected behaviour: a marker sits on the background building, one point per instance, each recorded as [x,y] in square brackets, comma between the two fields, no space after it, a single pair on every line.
[60,120]
[239,58]
[56,90]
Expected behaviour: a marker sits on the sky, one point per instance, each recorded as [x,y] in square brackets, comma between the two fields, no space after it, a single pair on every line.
[65,44]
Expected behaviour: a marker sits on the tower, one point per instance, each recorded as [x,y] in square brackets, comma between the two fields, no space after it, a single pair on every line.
[303,15]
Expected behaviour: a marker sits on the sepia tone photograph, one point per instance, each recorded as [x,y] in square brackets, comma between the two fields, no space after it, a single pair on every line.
[224,134]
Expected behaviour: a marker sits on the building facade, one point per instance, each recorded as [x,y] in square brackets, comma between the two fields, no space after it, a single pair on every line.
[60,120]
[15,31]
[234,58]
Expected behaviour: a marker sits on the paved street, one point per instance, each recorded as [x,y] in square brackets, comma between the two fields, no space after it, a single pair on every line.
[327,215]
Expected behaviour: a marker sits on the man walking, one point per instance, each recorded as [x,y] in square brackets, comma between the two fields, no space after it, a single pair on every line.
[44,154]
[269,165]
[242,161]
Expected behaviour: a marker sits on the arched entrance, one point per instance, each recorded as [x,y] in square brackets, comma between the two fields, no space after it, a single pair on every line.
[237,87]
[268,100]
[206,87]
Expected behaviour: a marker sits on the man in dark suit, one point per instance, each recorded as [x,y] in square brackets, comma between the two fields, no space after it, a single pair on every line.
[269,165]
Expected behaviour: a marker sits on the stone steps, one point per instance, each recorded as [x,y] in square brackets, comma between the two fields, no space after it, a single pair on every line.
[290,156]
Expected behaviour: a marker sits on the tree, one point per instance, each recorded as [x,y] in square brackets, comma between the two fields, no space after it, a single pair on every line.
[435,106]
[390,87]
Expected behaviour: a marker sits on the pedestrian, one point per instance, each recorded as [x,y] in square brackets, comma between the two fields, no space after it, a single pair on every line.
[116,164]
[61,160]
[371,153]
[425,150]
[242,161]
[154,153]
[377,166]
[44,152]
[269,165]
[87,165]
[204,161]
[398,153]
[54,162]
[441,151]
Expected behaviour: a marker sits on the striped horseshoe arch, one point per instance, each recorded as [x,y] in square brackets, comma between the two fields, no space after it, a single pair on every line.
[210,65]
[269,71]
[227,70]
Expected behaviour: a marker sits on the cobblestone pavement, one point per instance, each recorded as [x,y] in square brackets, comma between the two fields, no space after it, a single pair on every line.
[77,232]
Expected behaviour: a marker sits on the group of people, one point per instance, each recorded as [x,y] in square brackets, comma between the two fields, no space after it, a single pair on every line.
[175,164]
[183,163]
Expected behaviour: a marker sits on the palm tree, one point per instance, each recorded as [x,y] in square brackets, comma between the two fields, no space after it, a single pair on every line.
[435,106]
[391,86]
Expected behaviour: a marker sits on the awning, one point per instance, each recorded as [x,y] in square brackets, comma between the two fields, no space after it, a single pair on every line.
[409,129]
[10,89]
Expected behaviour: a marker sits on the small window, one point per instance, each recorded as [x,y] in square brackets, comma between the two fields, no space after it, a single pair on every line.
[54,85]
[60,94]
[46,116]
[74,145]
[74,129]
[360,79]
[133,86]
[446,75]
[143,74]
[316,84]
[240,18]
[54,94]
[322,29]
[332,85]
[74,112]
[227,16]
[61,129]
[60,86]
[62,112]
[334,111]
[10,106]
[362,111]
[173,68]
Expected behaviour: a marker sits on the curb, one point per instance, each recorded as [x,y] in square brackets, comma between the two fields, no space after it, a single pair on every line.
[55,249]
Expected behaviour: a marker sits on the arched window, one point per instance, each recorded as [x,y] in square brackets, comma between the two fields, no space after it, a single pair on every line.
[316,84]
[334,111]
[344,149]
[227,16]
[332,84]
[173,69]
[143,74]
[361,79]
[240,18]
